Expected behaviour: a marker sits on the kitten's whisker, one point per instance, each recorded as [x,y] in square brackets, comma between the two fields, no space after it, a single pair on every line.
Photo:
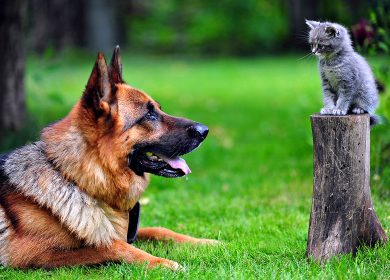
[305,56]
[302,36]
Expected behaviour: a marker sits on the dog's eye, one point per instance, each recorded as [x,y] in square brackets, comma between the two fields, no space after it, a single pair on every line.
[151,115]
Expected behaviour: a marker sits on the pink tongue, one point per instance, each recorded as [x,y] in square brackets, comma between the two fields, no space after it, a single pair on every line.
[178,163]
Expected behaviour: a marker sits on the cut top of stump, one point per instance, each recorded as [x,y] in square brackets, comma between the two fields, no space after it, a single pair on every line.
[353,124]
[346,118]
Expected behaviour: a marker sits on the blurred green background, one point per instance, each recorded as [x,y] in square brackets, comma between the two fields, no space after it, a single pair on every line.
[241,68]
[226,27]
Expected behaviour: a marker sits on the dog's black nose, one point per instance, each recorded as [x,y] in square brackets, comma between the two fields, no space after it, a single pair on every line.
[198,131]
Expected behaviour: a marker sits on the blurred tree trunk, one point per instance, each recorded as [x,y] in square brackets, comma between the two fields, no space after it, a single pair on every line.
[12,57]
[299,10]
[56,24]
[95,24]
[101,25]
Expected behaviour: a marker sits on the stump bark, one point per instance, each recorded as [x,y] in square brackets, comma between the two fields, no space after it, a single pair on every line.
[342,215]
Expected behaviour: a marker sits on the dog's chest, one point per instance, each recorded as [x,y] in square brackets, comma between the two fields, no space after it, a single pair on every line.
[32,175]
[119,220]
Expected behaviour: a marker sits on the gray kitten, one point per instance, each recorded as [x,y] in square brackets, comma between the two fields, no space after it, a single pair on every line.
[348,83]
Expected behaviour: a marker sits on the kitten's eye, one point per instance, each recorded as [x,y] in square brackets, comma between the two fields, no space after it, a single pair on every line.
[320,46]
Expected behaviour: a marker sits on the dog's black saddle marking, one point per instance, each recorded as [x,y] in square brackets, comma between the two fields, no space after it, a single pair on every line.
[132,231]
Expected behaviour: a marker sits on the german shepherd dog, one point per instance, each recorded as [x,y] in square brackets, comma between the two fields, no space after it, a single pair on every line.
[65,199]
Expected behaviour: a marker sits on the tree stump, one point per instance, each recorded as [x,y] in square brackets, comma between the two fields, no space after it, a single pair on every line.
[342,216]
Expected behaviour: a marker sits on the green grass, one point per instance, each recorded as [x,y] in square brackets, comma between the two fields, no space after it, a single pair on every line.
[252,178]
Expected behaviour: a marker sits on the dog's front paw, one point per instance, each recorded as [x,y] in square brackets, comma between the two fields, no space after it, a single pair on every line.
[358,110]
[326,111]
[166,263]
[339,112]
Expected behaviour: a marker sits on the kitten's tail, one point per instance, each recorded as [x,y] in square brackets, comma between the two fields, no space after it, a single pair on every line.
[380,86]
[375,119]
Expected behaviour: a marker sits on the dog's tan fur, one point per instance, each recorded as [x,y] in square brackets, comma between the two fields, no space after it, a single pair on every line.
[65,199]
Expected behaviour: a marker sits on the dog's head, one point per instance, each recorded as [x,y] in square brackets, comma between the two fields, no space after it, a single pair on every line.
[130,128]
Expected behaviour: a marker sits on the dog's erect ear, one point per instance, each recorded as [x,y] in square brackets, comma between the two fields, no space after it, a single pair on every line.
[312,24]
[115,68]
[97,94]
[331,31]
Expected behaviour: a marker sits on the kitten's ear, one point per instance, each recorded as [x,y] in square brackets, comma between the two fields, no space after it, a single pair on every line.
[332,31]
[312,24]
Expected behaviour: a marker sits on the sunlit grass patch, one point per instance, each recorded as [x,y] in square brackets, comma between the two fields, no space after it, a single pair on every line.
[252,178]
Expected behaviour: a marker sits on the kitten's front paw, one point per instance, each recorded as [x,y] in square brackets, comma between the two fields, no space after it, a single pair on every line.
[358,110]
[338,112]
[326,111]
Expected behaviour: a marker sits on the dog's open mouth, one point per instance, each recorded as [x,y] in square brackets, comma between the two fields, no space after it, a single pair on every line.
[146,161]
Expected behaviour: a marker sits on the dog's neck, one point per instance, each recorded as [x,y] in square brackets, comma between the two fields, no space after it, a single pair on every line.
[81,162]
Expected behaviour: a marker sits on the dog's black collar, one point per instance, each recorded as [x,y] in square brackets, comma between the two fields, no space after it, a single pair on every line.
[134,214]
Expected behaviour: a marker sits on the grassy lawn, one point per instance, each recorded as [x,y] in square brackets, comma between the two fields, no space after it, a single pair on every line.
[252,178]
